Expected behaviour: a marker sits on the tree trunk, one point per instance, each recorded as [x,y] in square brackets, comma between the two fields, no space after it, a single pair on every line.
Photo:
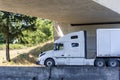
[7,39]
[7,46]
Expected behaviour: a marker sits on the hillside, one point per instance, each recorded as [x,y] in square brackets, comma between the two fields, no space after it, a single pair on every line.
[26,56]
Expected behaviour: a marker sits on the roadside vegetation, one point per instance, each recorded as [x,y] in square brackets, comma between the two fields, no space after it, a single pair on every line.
[26,56]
[13,46]
[31,57]
[19,31]
[43,33]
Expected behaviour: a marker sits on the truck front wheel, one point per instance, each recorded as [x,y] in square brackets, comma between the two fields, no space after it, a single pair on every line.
[113,63]
[49,62]
[99,62]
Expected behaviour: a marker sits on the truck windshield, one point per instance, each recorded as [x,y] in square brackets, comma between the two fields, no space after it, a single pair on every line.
[58,46]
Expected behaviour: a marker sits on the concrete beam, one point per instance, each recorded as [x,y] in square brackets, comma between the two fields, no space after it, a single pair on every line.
[111,4]
[67,11]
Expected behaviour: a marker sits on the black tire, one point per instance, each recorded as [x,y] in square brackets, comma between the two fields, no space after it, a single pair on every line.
[49,63]
[99,63]
[113,63]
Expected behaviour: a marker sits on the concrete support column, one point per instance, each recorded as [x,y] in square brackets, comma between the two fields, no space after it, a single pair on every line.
[60,29]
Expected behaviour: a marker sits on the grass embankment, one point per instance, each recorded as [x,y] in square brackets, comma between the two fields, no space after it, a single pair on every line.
[29,57]
[15,46]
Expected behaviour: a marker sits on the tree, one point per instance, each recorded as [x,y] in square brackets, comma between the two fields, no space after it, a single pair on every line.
[12,25]
[43,32]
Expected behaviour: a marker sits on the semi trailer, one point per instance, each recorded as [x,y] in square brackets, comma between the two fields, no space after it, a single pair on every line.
[71,49]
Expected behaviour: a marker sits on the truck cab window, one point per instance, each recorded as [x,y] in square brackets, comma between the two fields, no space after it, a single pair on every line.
[74,37]
[59,46]
[75,44]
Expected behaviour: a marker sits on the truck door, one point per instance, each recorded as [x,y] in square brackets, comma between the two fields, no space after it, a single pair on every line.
[59,54]
[75,56]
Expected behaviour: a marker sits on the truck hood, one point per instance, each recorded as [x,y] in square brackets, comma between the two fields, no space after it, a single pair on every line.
[47,53]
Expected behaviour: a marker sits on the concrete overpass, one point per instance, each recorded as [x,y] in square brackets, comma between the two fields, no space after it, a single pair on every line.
[67,12]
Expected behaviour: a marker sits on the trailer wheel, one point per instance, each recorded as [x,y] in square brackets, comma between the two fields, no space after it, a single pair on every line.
[113,63]
[99,62]
[49,62]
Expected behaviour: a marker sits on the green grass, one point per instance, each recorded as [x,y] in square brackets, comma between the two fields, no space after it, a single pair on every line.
[17,46]
[26,57]
[12,46]
[2,46]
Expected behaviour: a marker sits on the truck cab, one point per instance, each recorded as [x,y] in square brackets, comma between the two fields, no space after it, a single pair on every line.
[68,50]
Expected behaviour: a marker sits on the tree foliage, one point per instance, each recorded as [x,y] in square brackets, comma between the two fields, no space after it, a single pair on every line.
[43,32]
[12,25]
[17,23]
[27,29]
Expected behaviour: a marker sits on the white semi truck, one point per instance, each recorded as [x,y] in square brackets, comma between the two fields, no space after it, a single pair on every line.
[71,49]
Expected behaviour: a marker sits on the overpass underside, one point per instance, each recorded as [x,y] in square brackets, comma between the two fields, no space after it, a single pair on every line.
[67,12]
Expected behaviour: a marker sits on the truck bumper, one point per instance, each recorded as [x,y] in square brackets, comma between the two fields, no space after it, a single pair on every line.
[40,62]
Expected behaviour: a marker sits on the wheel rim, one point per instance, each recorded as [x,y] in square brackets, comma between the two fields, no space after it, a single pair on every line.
[49,63]
[100,63]
[113,63]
